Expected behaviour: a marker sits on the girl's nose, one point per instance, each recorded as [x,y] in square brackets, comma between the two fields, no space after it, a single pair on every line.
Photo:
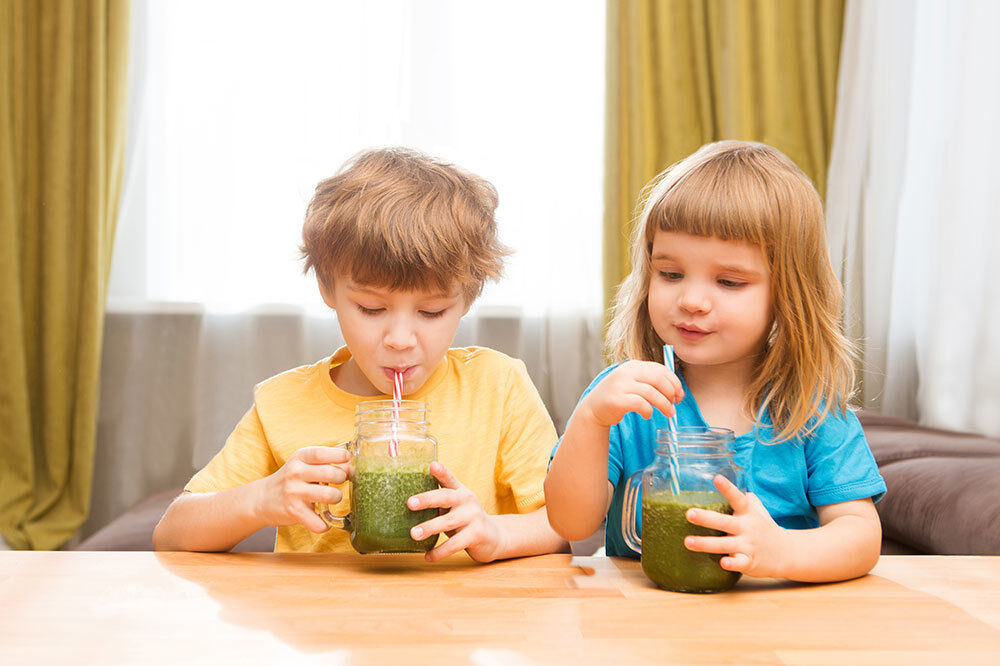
[401,334]
[695,300]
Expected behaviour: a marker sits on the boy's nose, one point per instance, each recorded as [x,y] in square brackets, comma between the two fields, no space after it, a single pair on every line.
[400,335]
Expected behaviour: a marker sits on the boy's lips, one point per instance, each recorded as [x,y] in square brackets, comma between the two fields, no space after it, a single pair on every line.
[407,371]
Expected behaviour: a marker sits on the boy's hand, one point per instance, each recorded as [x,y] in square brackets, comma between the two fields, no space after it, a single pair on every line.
[754,542]
[287,496]
[634,386]
[462,519]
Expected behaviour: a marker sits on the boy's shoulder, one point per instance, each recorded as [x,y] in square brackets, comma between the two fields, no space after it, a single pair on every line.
[293,380]
[479,358]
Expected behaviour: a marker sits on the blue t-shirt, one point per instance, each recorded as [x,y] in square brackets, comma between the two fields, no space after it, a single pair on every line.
[833,464]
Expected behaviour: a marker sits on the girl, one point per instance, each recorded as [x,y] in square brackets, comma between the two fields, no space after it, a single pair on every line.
[729,265]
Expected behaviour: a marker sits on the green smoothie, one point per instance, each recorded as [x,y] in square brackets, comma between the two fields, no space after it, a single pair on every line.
[665,559]
[380,519]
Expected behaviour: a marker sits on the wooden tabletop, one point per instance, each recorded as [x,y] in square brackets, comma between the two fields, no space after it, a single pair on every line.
[141,607]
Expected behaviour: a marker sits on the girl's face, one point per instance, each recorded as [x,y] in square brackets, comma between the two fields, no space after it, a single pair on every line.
[710,298]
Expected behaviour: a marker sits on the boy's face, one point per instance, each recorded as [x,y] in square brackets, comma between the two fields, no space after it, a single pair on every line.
[388,331]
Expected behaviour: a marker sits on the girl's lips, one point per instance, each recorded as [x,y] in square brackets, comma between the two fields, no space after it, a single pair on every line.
[691,333]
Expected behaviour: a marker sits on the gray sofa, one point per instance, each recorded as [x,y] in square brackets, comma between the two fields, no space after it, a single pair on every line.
[943,496]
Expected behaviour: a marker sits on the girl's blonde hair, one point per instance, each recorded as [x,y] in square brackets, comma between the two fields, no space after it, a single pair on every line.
[400,219]
[736,190]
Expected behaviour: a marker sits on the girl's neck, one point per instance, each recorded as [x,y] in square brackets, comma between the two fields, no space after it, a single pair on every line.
[720,391]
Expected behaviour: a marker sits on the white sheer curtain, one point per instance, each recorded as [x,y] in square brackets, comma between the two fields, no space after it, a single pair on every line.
[240,107]
[913,206]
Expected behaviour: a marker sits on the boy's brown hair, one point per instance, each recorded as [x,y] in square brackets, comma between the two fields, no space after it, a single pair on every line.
[399,219]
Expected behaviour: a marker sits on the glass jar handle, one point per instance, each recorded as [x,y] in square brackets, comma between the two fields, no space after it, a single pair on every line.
[633,487]
[323,510]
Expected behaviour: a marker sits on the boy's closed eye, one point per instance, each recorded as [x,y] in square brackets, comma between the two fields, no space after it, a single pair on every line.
[432,315]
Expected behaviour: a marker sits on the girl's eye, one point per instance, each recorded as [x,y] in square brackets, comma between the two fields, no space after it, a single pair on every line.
[671,275]
[369,311]
[432,315]
[732,284]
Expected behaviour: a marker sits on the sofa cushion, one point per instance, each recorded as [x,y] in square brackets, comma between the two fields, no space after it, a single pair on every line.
[893,439]
[945,506]
[133,530]
[942,496]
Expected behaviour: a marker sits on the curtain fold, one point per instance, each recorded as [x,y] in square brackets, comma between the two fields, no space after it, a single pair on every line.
[681,73]
[63,79]
[912,212]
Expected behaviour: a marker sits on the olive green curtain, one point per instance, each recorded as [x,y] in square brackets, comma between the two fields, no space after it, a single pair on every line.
[63,80]
[681,73]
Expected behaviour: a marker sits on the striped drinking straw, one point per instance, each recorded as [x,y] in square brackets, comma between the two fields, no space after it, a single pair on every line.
[397,397]
[668,360]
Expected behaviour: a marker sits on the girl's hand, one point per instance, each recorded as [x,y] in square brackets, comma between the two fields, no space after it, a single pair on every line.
[634,386]
[287,496]
[463,519]
[754,544]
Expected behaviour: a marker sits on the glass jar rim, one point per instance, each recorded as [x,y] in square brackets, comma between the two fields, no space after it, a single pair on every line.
[389,405]
[697,434]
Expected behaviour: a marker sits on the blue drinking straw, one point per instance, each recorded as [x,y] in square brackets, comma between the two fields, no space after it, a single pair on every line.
[668,360]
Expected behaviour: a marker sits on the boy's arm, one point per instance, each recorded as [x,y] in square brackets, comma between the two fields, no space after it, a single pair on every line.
[217,521]
[214,521]
[485,537]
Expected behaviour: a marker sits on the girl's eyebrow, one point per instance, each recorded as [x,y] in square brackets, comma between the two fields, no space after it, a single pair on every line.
[726,267]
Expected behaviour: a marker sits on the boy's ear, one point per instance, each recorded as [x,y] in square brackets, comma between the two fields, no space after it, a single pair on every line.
[326,292]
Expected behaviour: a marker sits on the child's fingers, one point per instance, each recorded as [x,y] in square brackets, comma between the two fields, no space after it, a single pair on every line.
[317,493]
[736,498]
[711,544]
[713,520]
[442,498]
[444,476]
[445,523]
[323,474]
[323,455]
[658,376]
[735,562]
[309,519]
[459,542]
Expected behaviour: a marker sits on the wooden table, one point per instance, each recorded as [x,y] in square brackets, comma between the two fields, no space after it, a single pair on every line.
[106,608]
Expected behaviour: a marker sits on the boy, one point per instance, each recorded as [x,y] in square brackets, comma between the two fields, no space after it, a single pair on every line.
[401,245]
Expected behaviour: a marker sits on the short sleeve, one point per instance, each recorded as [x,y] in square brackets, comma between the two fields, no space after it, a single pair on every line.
[840,464]
[526,438]
[616,459]
[245,457]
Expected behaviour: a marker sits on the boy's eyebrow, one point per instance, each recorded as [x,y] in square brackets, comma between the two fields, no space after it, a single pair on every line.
[379,292]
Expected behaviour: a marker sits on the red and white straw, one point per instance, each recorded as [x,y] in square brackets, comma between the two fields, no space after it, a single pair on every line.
[397,397]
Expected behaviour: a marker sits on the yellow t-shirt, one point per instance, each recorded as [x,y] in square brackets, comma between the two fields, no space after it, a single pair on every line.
[490,424]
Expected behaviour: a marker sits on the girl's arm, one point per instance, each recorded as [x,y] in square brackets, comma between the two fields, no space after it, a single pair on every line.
[846,545]
[577,490]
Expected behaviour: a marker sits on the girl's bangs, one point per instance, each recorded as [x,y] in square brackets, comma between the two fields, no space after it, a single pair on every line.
[717,199]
